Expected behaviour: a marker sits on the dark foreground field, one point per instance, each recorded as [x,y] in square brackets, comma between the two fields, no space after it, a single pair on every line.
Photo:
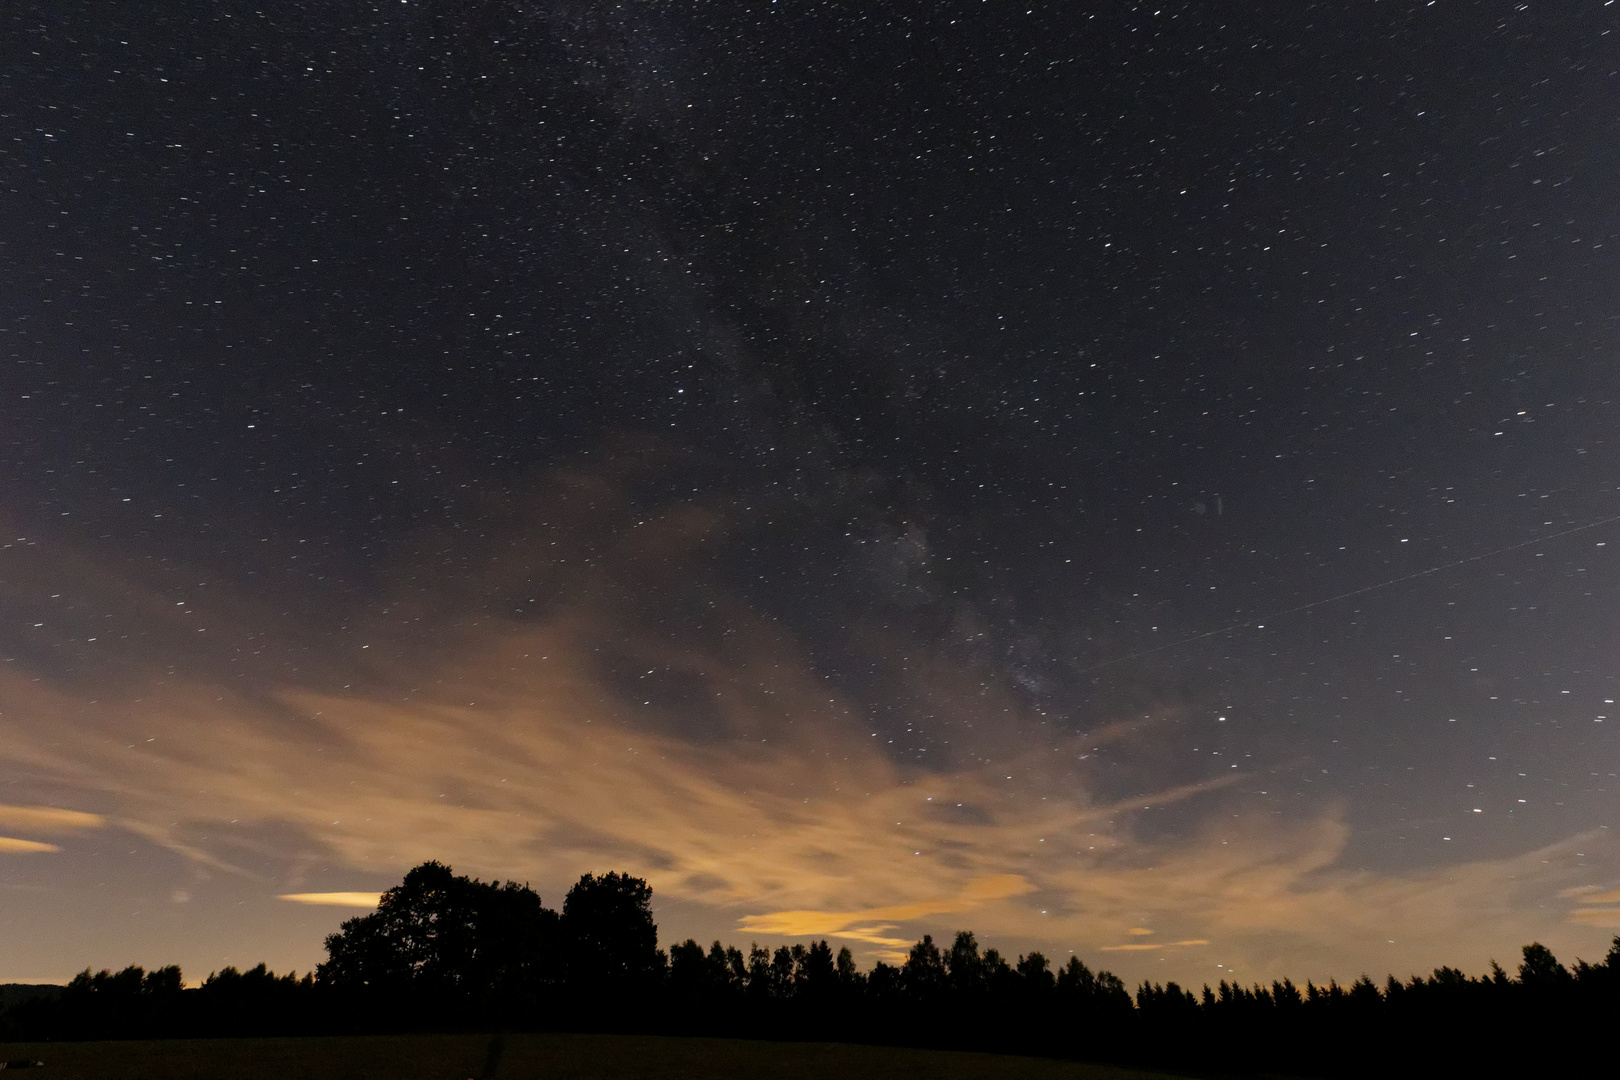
[529,1057]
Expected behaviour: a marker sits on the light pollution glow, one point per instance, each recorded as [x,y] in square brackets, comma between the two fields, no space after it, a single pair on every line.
[495,744]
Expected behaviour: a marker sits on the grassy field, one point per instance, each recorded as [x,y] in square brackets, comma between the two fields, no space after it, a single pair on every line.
[529,1057]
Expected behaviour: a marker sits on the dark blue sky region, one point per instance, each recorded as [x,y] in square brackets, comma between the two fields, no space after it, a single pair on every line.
[869,471]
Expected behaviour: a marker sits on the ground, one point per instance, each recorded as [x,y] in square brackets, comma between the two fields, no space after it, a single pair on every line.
[522,1057]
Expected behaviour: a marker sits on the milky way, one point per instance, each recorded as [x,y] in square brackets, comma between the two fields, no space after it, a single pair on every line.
[1131,480]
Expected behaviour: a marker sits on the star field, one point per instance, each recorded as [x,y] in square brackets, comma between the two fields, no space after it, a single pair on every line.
[1177,438]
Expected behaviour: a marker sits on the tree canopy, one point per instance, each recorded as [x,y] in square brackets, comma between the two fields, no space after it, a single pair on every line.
[445,951]
[612,941]
[439,934]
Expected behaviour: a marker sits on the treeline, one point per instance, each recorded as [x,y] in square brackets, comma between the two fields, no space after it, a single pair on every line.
[1547,1019]
[445,952]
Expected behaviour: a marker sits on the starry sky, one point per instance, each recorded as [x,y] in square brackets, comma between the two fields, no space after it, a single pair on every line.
[1138,480]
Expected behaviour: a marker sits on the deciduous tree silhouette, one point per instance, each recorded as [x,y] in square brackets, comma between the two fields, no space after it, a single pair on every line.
[448,940]
[610,937]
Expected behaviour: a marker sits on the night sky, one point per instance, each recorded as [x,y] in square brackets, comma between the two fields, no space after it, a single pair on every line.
[1139,480]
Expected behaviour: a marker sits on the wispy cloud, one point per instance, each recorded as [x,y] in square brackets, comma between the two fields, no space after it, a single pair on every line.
[612,707]
[334,899]
[1608,918]
[1592,894]
[874,921]
[12,846]
[48,819]
[1153,946]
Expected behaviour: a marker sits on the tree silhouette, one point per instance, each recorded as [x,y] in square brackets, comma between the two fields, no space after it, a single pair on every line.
[849,979]
[815,975]
[445,951]
[1034,971]
[447,939]
[1540,970]
[964,967]
[760,981]
[610,937]
[689,970]
[924,973]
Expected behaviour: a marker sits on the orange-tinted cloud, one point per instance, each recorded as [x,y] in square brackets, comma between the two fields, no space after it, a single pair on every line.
[13,846]
[1608,918]
[1594,911]
[618,710]
[1591,894]
[48,819]
[334,899]
[876,920]
[1153,947]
